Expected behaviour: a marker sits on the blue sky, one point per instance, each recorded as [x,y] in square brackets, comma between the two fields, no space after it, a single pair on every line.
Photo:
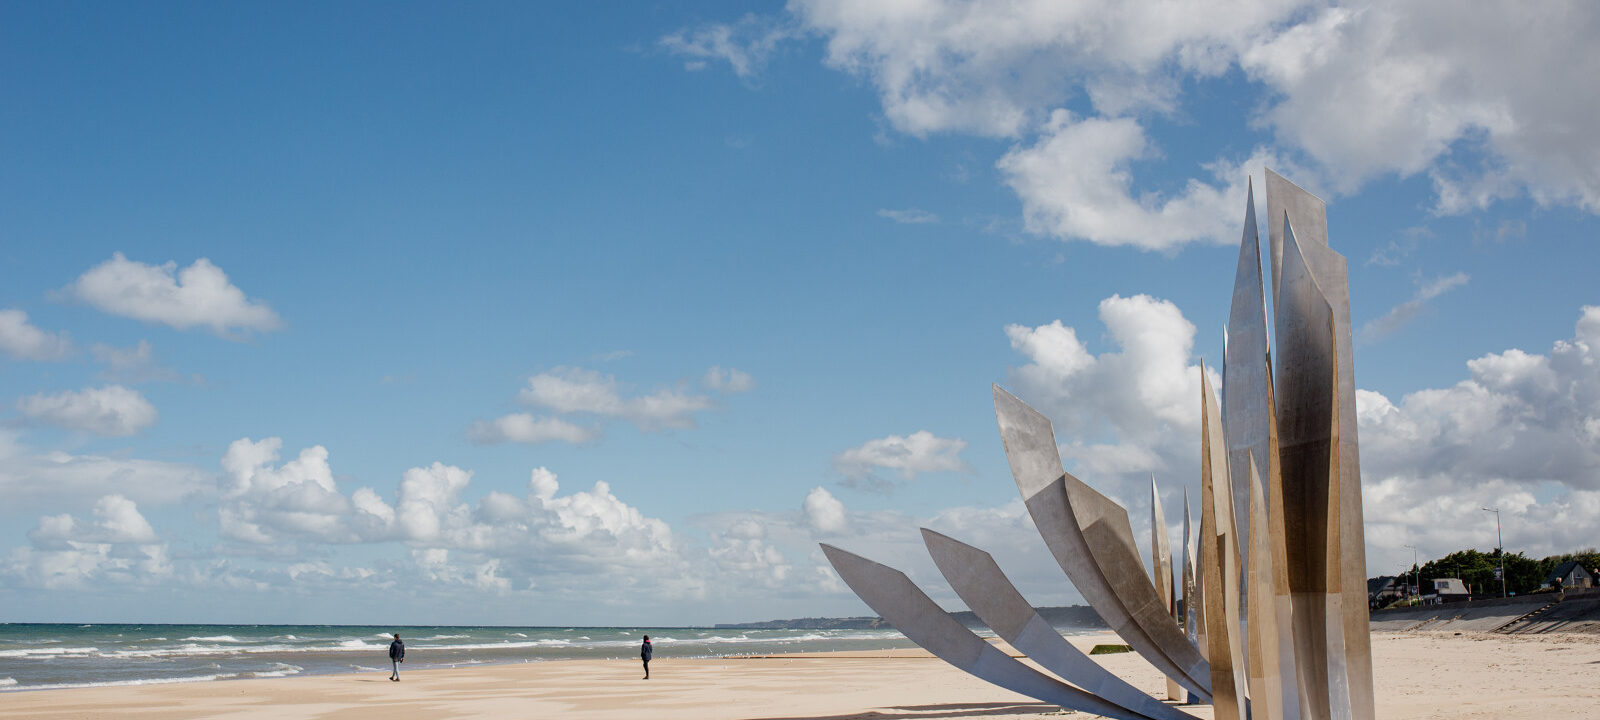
[608,314]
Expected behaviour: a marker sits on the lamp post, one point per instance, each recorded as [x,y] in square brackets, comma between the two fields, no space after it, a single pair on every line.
[1416,574]
[1502,548]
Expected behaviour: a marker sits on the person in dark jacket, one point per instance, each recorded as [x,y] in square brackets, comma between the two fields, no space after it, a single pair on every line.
[645,651]
[397,655]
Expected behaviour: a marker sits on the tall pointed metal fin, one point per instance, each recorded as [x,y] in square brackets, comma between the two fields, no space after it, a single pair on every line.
[985,589]
[894,597]
[1031,449]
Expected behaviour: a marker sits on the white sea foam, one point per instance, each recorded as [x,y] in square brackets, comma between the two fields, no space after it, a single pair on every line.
[121,683]
[217,638]
[49,652]
[5,682]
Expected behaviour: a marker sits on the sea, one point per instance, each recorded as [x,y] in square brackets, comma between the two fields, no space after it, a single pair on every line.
[49,656]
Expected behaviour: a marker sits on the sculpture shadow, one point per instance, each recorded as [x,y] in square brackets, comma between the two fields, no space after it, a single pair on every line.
[942,710]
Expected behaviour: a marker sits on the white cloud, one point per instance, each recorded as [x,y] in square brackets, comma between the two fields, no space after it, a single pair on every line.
[909,216]
[993,67]
[919,452]
[427,496]
[746,45]
[132,365]
[728,380]
[1121,415]
[198,295]
[824,512]
[1400,315]
[264,503]
[119,548]
[1075,182]
[29,478]
[112,411]
[24,341]
[506,542]
[1361,89]
[576,390]
[1521,433]
[1372,88]
[528,430]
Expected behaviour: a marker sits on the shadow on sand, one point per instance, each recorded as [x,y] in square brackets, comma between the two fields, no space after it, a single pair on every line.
[927,712]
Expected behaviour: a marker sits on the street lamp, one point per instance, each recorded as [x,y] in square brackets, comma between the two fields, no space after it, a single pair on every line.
[1416,571]
[1499,539]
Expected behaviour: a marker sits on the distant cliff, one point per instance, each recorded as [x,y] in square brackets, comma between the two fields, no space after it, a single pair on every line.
[1071,616]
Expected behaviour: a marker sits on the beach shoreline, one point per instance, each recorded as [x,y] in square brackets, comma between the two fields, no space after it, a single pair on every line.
[1419,675]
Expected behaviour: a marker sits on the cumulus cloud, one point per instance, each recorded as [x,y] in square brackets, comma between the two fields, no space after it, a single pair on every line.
[1123,414]
[909,216]
[1361,89]
[23,341]
[919,452]
[199,295]
[568,540]
[1369,88]
[728,380]
[824,512]
[990,67]
[587,392]
[528,430]
[598,399]
[746,45]
[266,503]
[112,411]
[1521,432]
[30,478]
[1074,182]
[119,547]
[1401,315]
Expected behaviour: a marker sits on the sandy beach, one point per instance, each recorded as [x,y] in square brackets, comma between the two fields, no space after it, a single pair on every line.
[1419,675]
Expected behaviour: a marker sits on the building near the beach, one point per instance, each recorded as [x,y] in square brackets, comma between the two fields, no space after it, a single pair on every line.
[1570,574]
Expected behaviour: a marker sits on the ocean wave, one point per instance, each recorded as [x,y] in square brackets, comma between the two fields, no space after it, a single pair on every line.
[447,637]
[5,681]
[120,683]
[216,638]
[278,670]
[48,652]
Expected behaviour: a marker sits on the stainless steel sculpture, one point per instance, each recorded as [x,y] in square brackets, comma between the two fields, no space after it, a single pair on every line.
[1273,614]
[1051,495]
[1161,569]
[1265,669]
[1290,206]
[980,583]
[1219,550]
[893,596]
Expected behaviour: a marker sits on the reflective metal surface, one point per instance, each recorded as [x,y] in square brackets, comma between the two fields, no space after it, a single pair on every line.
[893,596]
[1031,450]
[979,581]
[1220,555]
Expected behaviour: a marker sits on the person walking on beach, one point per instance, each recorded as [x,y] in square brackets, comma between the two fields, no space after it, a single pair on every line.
[397,655]
[645,651]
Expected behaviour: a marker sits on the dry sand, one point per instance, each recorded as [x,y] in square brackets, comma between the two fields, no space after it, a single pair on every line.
[1418,676]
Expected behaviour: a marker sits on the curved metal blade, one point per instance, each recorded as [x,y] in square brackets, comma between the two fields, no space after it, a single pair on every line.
[893,596]
[986,589]
[1031,449]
